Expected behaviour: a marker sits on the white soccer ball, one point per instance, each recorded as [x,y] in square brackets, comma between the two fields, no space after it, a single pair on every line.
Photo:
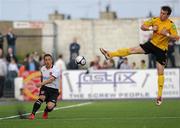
[80,60]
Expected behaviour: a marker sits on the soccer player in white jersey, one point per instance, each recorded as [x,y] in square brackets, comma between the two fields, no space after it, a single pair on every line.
[49,87]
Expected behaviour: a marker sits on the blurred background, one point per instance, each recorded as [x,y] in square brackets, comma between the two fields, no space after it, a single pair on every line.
[68,28]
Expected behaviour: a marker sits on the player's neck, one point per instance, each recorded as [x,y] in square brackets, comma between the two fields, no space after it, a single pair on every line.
[49,66]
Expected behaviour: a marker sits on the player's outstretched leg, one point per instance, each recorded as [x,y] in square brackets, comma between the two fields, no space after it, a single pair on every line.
[36,106]
[118,53]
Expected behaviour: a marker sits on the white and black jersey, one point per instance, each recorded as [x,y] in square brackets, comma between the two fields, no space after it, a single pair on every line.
[47,73]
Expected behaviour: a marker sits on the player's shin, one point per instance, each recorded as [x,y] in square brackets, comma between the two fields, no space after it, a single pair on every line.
[48,109]
[36,106]
[160,84]
[120,53]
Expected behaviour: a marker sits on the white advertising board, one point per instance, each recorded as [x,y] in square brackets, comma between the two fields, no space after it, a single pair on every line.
[117,84]
[28,24]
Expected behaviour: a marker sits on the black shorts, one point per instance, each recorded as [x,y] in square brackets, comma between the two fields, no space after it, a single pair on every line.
[51,94]
[161,56]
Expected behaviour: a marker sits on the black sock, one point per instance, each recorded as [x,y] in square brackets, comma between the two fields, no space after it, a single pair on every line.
[47,109]
[36,106]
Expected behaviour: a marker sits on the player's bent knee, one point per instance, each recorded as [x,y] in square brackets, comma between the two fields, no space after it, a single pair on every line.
[136,50]
[50,106]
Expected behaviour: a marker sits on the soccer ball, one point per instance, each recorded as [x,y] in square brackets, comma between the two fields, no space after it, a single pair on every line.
[80,60]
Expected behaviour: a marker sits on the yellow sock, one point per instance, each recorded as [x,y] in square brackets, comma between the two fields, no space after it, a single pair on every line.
[160,84]
[120,52]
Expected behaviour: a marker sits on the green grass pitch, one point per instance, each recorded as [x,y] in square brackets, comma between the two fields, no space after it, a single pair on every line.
[97,114]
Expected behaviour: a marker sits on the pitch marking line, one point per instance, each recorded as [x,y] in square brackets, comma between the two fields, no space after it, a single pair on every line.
[65,107]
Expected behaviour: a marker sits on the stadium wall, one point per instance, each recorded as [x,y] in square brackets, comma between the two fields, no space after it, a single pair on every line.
[26,36]
[93,34]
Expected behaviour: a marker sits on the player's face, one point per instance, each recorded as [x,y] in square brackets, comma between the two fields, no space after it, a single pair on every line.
[48,61]
[164,15]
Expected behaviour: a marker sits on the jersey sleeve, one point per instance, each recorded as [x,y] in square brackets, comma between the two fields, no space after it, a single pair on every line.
[173,30]
[55,72]
[149,22]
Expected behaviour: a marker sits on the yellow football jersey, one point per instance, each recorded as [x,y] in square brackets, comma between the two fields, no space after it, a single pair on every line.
[159,40]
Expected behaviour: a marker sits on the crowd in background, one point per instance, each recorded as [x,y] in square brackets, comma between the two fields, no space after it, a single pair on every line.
[10,67]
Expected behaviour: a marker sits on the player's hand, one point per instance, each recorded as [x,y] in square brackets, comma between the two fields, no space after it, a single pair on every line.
[177,38]
[38,85]
[164,32]
[155,28]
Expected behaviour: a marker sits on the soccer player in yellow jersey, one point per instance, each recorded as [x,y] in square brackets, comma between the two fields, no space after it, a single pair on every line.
[163,31]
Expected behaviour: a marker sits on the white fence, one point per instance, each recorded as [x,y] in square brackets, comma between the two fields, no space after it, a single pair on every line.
[118,84]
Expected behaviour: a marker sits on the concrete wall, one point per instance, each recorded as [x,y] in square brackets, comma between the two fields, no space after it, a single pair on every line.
[93,34]
[28,40]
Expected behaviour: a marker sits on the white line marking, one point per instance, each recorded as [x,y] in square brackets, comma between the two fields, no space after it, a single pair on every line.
[65,107]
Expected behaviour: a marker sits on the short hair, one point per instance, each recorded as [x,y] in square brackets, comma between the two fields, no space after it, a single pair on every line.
[167,8]
[49,56]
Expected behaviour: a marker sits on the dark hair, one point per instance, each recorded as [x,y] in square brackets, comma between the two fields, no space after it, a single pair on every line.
[49,56]
[143,61]
[167,8]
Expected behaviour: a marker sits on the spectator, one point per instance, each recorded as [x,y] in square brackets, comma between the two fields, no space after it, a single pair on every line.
[10,55]
[95,64]
[13,66]
[1,41]
[41,60]
[72,65]
[36,56]
[31,64]
[60,63]
[170,53]
[11,40]
[26,58]
[74,49]
[151,57]
[143,64]
[111,64]
[3,72]
[91,66]
[105,64]
[120,61]
[134,65]
[74,52]
[152,60]
[125,64]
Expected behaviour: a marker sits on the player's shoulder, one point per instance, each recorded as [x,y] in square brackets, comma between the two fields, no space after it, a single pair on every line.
[43,68]
[153,19]
[55,67]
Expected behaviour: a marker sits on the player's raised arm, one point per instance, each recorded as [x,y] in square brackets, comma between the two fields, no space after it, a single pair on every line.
[49,81]
[149,25]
